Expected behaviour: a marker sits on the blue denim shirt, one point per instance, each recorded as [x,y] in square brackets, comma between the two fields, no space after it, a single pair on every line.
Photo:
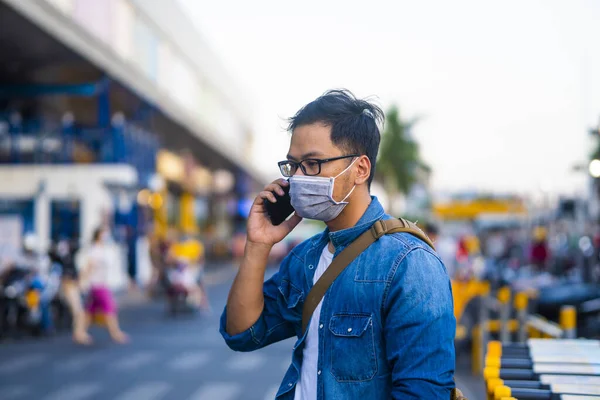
[395,297]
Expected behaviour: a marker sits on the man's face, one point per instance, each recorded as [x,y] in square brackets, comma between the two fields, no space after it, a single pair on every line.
[314,142]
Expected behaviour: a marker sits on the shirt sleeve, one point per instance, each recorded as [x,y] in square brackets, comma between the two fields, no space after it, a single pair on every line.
[272,326]
[419,328]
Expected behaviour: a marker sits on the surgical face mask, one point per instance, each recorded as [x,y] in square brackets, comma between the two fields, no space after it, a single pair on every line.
[312,196]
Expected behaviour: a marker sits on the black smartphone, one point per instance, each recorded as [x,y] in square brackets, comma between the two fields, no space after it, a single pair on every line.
[280,211]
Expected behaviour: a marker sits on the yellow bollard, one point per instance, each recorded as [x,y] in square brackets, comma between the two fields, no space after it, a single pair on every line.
[568,322]
[492,384]
[504,295]
[494,348]
[491,373]
[492,361]
[501,392]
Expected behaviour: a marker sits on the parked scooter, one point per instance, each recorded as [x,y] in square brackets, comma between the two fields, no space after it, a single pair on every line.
[12,290]
[176,288]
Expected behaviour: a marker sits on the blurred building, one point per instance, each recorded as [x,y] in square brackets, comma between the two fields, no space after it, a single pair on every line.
[116,112]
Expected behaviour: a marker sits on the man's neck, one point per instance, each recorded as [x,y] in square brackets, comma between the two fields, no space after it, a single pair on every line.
[352,212]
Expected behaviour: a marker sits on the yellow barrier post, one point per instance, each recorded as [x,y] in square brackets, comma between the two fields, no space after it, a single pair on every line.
[521,303]
[568,321]
[504,295]
[492,384]
[502,392]
[491,373]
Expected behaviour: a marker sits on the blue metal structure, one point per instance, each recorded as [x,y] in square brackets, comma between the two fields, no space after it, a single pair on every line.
[112,140]
[109,141]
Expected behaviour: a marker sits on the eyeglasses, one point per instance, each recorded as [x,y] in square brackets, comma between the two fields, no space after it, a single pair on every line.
[310,166]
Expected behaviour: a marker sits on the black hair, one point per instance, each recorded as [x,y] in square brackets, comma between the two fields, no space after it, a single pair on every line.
[354,122]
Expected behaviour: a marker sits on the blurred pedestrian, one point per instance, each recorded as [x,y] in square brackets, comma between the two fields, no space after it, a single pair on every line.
[64,254]
[539,253]
[100,300]
[131,241]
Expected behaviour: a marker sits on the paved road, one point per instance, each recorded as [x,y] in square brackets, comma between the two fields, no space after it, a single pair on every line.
[182,358]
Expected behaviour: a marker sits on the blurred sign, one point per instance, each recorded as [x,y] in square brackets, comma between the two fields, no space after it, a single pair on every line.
[124,16]
[471,209]
[96,16]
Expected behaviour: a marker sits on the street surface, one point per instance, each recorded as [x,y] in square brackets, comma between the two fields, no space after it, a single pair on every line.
[168,358]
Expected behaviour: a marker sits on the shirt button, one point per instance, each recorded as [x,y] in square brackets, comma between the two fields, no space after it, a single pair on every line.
[289,384]
[321,326]
[310,267]
[319,372]
[349,329]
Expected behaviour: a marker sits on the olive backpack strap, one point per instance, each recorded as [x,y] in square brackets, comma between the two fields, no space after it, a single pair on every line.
[413,229]
[342,260]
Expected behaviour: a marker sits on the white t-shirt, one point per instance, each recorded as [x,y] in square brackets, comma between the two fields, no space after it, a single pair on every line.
[306,388]
[98,257]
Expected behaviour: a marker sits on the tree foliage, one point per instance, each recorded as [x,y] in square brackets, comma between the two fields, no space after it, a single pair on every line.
[399,154]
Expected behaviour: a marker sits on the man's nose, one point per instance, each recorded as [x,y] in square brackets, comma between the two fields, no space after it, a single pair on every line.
[299,172]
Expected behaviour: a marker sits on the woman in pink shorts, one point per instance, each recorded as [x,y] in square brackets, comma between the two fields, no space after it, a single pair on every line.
[100,299]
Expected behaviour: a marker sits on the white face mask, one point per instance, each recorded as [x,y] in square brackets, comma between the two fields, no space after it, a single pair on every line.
[312,196]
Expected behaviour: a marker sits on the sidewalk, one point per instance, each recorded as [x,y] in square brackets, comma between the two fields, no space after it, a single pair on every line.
[473,387]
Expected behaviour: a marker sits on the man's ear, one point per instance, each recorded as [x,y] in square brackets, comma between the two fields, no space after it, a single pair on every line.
[363,171]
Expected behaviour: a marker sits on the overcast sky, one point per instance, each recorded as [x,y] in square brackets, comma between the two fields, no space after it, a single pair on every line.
[505,90]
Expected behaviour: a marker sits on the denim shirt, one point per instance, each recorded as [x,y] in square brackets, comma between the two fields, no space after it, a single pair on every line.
[386,326]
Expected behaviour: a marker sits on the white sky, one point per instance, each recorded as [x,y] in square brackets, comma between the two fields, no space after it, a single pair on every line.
[506,90]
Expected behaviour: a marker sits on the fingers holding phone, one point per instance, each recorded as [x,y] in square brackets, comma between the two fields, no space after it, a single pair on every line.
[267,222]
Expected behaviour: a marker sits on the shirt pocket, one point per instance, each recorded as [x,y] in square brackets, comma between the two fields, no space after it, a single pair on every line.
[353,356]
[291,294]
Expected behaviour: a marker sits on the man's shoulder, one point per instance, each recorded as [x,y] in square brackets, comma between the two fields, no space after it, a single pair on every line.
[401,243]
[398,249]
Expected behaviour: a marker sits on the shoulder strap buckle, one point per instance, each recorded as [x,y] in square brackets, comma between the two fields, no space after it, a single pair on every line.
[378,229]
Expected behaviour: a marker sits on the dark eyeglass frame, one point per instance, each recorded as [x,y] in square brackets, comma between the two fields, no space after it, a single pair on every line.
[296,164]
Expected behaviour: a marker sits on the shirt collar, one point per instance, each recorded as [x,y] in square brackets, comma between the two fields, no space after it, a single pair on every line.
[344,237]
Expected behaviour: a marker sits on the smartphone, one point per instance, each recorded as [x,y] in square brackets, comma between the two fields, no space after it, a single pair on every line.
[280,211]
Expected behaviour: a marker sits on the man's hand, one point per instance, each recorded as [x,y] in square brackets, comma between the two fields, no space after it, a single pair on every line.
[260,229]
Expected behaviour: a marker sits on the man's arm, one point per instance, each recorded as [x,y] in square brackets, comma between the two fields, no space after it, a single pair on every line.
[251,311]
[419,328]
[257,329]
[246,300]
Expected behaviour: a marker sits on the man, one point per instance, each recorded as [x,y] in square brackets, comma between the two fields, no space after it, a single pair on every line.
[385,328]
